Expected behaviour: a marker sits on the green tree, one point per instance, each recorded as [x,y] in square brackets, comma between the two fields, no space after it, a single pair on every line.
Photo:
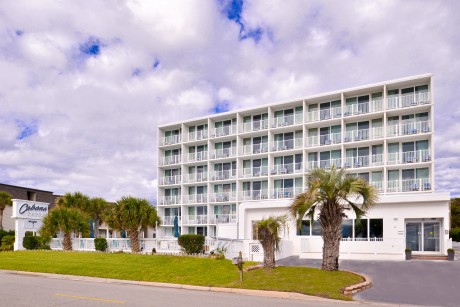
[268,232]
[68,220]
[455,212]
[330,194]
[74,200]
[131,214]
[96,209]
[5,200]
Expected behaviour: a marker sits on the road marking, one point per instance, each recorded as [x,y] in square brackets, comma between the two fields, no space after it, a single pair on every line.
[91,298]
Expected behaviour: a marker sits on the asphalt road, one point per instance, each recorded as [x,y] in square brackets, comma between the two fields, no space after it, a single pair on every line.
[22,290]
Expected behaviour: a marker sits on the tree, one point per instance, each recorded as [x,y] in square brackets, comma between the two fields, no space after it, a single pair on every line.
[330,194]
[130,214]
[68,220]
[74,200]
[455,212]
[96,210]
[268,232]
[5,200]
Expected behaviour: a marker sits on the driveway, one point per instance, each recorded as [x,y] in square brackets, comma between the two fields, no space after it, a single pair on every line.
[415,282]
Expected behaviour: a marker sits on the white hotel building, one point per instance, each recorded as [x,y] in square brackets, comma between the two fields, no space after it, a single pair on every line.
[221,173]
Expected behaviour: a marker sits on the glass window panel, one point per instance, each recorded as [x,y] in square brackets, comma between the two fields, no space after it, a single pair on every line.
[305,229]
[376,228]
[423,173]
[393,175]
[393,147]
[316,229]
[408,174]
[347,228]
[421,145]
[361,228]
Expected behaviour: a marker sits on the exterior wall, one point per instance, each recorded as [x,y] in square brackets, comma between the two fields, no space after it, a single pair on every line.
[8,222]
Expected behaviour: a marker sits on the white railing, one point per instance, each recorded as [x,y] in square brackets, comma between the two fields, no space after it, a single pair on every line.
[312,116]
[170,140]
[223,131]
[328,163]
[197,198]
[197,156]
[282,169]
[311,141]
[83,244]
[393,158]
[222,219]
[223,153]
[253,149]
[196,177]
[364,134]
[168,180]
[408,100]
[224,175]
[328,139]
[175,159]
[355,162]
[169,220]
[285,193]
[254,171]
[287,120]
[393,186]
[415,128]
[255,125]
[311,165]
[416,156]
[170,200]
[376,160]
[223,196]
[195,219]
[254,195]
[197,135]
[287,144]
[121,244]
[422,184]
[330,113]
[378,185]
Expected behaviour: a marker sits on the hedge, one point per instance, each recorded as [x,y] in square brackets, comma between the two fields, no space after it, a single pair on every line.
[191,243]
[455,234]
[100,244]
[30,242]
[7,243]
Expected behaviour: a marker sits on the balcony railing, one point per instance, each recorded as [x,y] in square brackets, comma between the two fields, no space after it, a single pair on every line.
[328,139]
[355,162]
[254,171]
[195,219]
[176,159]
[408,128]
[223,175]
[222,219]
[197,135]
[408,100]
[285,193]
[254,149]
[282,169]
[170,140]
[254,195]
[223,196]
[288,120]
[287,144]
[311,165]
[312,141]
[255,125]
[223,153]
[328,163]
[197,156]
[169,220]
[223,131]
[170,200]
[364,134]
[409,157]
[378,185]
[408,185]
[167,180]
[196,177]
[197,198]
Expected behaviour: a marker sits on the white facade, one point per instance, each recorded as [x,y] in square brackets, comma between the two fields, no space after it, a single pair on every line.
[221,173]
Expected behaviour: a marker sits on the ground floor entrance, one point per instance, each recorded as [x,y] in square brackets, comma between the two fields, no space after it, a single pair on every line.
[423,236]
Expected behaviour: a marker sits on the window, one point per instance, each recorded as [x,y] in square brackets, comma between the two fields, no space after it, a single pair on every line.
[347,229]
[305,229]
[255,230]
[376,228]
[316,229]
[31,196]
[361,229]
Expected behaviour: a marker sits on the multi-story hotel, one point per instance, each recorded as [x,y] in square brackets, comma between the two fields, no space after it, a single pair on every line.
[221,173]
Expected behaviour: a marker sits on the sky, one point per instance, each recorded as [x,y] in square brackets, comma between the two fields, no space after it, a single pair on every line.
[84,84]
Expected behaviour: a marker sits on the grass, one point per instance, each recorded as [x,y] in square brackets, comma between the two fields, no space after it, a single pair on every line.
[180,270]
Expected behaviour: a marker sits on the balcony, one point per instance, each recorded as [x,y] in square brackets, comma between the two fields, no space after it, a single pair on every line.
[409,157]
[408,128]
[375,105]
[254,149]
[196,177]
[169,220]
[195,219]
[197,156]
[197,199]
[254,171]
[170,200]
[285,193]
[223,196]
[224,175]
[170,160]
[254,126]
[197,135]
[364,134]
[328,163]
[223,153]
[312,141]
[283,169]
[325,114]
[328,139]
[378,185]
[223,131]
[409,185]
[168,180]
[312,165]
[223,219]
[356,162]
[408,100]
[288,120]
[287,144]
[254,195]
[170,140]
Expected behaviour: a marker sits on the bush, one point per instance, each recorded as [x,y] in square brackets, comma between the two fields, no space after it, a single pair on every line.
[100,244]
[30,242]
[192,244]
[455,234]
[7,243]
[6,233]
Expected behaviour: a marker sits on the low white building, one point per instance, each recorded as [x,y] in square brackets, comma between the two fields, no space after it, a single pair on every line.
[221,173]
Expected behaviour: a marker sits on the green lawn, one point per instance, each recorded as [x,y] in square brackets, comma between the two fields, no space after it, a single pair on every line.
[180,270]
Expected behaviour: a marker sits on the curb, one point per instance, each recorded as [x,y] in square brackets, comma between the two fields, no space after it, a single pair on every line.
[262,293]
[366,284]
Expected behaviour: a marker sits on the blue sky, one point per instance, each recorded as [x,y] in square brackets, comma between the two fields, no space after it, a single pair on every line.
[83,85]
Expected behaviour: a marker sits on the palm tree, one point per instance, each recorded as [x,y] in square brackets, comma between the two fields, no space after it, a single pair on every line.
[5,200]
[67,220]
[268,232]
[96,210]
[74,200]
[331,193]
[130,214]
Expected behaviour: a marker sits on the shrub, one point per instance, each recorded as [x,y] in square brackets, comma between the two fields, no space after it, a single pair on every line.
[451,250]
[192,244]
[6,233]
[7,243]
[154,251]
[455,234]
[30,242]
[408,250]
[100,244]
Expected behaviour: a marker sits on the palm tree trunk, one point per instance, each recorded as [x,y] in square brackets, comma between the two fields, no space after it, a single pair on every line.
[1,219]
[269,254]
[331,248]
[96,227]
[134,240]
[67,242]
